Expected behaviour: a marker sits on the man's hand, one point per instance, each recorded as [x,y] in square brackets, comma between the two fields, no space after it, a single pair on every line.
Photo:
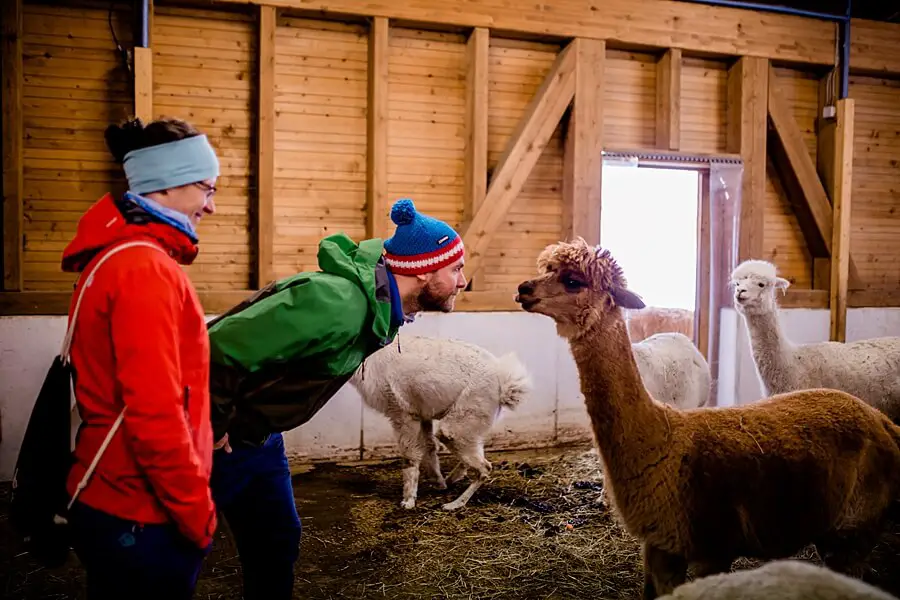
[223,443]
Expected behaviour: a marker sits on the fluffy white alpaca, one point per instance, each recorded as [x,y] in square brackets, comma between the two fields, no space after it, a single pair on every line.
[673,370]
[418,380]
[868,369]
[779,580]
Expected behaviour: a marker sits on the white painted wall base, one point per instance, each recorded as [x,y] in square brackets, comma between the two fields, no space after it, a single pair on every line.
[345,429]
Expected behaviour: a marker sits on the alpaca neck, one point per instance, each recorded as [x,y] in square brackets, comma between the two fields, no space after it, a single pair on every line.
[768,344]
[631,430]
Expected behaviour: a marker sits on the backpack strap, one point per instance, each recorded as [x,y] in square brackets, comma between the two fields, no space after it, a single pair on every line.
[64,354]
[70,332]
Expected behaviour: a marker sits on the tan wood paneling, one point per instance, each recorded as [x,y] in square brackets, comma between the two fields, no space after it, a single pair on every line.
[426,129]
[205,72]
[704,105]
[629,112]
[517,70]
[74,86]
[875,214]
[783,241]
[320,137]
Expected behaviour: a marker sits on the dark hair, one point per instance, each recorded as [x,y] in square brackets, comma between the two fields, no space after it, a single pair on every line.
[133,135]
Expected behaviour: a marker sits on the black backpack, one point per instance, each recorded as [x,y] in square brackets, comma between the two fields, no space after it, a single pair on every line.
[40,503]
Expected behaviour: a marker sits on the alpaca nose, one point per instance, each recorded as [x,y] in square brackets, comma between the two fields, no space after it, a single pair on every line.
[526,288]
[740,293]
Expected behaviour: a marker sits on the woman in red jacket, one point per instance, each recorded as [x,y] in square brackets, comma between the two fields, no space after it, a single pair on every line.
[144,523]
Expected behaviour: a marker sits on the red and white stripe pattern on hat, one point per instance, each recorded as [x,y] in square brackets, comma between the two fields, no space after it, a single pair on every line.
[425,263]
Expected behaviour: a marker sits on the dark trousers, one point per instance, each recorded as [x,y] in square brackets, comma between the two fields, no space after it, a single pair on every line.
[126,560]
[252,488]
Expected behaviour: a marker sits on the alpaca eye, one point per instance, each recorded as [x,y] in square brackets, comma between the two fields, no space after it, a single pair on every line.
[762,284]
[572,284]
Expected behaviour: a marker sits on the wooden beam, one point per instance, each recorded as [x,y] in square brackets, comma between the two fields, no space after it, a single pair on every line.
[800,298]
[746,134]
[711,30]
[843,180]
[523,149]
[143,84]
[13,141]
[476,158]
[57,303]
[800,178]
[668,100]
[265,186]
[378,213]
[583,154]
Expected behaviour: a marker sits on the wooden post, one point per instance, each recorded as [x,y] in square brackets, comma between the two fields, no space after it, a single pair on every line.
[668,100]
[13,141]
[840,245]
[265,207]
[746,134]
[477,53]
[583,159]
[143,84]
[377,217]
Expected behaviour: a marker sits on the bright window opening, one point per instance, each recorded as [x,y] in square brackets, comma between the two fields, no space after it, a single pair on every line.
[649,224]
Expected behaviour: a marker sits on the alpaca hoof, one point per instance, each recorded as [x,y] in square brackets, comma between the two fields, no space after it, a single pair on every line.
[441,485]
[455,505]
[408,504]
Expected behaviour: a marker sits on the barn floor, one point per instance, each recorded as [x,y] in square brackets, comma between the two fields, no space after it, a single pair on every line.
[535,531]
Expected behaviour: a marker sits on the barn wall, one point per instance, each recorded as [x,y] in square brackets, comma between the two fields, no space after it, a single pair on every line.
[205,70]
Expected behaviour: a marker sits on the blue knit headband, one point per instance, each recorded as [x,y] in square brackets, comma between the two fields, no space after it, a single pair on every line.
[170,165]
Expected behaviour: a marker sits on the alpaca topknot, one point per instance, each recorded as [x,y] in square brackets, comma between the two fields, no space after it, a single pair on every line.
[755,267]
[595,262]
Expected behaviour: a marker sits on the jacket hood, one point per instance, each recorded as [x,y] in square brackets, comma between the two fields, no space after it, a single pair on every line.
[339,255]
[108,222]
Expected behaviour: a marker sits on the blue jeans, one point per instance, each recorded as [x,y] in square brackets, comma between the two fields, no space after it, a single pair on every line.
[252,488]
[126,560]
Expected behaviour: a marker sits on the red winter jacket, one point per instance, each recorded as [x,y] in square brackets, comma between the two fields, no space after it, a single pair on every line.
[140,341]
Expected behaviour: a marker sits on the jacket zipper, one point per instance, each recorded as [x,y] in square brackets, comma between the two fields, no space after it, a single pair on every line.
[187,399]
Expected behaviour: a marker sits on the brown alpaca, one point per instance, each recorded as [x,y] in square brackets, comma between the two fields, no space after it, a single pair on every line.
[704,486]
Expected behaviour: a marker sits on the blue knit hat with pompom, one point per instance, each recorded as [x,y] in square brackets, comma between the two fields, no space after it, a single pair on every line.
[421,244]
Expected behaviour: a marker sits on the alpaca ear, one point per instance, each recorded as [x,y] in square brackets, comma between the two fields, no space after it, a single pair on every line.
[625,298]
[781,282]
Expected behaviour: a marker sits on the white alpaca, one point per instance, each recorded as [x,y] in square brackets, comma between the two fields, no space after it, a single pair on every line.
[673,370]
[417,380]
[868,369]
[787,579]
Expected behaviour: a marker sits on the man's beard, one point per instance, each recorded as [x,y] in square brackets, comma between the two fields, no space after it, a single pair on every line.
[430,300]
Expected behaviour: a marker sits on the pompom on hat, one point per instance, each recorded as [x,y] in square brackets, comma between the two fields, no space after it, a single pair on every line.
[421,244]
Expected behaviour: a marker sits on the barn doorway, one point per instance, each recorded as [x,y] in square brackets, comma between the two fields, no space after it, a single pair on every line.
[650,223]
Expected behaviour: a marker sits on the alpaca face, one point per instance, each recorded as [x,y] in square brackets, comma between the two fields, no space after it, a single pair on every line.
[576,285]
[755,283]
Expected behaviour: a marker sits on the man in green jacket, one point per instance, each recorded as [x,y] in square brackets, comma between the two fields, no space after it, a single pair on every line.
[279,356]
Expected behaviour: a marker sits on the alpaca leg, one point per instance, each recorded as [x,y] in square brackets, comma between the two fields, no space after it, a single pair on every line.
[847,551]
[472,456]
[432,461]
[663,572]
[412,450]
[458,472]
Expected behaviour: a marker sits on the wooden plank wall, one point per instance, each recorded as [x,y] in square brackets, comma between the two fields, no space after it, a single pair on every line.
[75,84]
[205,69]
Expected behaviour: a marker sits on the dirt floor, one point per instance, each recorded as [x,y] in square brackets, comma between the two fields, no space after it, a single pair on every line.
[537,530]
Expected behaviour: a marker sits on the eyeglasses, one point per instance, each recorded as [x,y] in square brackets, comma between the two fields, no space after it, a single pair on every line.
[209,189]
